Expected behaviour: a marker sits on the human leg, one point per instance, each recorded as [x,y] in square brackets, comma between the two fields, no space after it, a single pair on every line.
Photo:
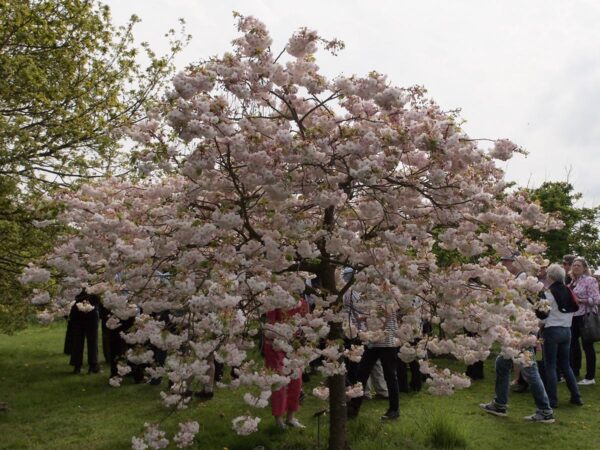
[416,382]
[565,368]
[575,348]
[368,360]
[77,345]
[503,369]
[475,370]
[293,401]
[402,375]
[552,337]
[91,334]
[378,380]
[590,360]
[389,358]
[274,360]
[532,376]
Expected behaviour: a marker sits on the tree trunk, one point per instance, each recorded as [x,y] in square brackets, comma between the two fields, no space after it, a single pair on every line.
[336,383]
[337,412]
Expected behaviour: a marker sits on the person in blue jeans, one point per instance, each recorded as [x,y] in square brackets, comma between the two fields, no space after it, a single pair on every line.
[557,336]
[499,405]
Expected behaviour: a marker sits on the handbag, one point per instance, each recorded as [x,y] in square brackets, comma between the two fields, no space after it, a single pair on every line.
[590,327]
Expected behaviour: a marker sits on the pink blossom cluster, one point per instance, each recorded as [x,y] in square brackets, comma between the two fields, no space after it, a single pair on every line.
[245,425]
[153,438]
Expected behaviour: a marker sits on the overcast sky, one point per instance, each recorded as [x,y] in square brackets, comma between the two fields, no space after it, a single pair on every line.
[524,70]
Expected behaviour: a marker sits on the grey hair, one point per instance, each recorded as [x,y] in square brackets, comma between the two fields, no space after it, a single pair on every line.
[556,272]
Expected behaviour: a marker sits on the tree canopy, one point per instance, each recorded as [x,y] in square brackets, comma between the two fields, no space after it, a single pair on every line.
[580,234]
[265,172]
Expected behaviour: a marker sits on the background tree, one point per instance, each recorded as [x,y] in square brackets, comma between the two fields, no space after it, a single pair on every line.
[22,239]
[580,234]
[69,82]
[264,173]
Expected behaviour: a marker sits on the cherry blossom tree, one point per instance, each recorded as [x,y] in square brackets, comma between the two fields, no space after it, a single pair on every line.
[261,172]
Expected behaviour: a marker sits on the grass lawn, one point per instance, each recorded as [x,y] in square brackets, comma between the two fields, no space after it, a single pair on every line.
[50,408]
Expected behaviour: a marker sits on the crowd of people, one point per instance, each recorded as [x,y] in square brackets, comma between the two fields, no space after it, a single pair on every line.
[569,289]
[572,293]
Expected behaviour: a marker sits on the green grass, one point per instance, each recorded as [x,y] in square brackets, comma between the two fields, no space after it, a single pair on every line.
[50,408]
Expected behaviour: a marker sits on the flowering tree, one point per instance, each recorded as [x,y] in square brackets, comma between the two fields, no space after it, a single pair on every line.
[264,171]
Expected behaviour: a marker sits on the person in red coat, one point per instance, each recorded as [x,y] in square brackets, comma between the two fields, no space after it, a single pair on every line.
[285,401]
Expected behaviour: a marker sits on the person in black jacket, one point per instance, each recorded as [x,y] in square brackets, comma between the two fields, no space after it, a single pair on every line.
[83,324]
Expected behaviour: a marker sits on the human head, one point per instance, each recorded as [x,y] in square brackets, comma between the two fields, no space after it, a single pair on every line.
[543,263]
[580,267]
[555,273]
[508,261]
[567,261]
[347,274]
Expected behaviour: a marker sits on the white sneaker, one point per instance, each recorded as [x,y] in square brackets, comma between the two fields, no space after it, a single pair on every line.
[586,382]
[295,423]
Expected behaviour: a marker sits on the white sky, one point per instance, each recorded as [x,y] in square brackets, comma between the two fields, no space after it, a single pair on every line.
[527,70]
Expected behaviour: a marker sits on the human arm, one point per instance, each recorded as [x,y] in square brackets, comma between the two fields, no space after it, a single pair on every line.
[587,291]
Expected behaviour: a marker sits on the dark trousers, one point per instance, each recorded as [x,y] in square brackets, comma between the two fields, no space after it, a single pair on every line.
[118,349]
[351,366]
[415,376]
[475,371]
[588,348]
[389,361]
[80,331]
[106,342]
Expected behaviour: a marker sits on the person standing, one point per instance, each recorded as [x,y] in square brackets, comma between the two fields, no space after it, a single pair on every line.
[519,385]
[355,324]
[566,263]
[83,325]
[499,405]
[285,401]
[557,336]
[585,288]
[385,351]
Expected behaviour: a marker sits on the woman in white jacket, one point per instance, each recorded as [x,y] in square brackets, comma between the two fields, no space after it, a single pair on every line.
[557,335]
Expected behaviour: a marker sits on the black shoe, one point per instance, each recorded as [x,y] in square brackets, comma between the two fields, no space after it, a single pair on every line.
[77,370]
[576,401]
[493,408]
[390,415]
[94,369]
[204,395]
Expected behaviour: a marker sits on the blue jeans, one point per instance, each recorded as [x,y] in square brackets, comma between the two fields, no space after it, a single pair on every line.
[557,343]
[531,375]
